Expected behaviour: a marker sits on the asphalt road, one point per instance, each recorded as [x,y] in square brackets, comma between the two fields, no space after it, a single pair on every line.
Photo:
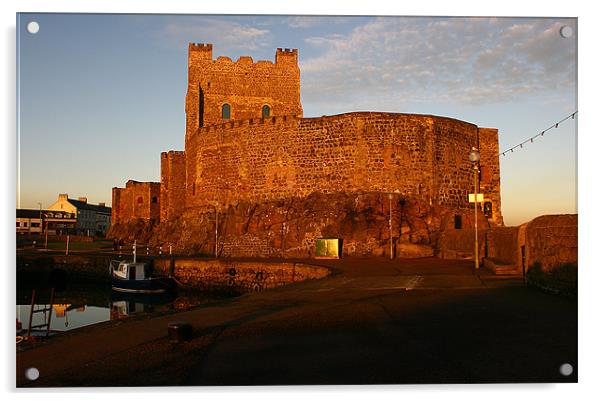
[373,321]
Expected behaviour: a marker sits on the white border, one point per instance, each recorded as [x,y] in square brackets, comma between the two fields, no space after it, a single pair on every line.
[590,278]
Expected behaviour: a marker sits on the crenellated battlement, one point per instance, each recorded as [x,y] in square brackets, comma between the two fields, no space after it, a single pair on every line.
[247,122]
[197,47]
[134,183]
[286,56]
[280,50]
[172,153]
[199,53]
[204,51]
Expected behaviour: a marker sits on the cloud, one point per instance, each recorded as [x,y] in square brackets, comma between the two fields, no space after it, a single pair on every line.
[231,35]
[458,60]
[304,22]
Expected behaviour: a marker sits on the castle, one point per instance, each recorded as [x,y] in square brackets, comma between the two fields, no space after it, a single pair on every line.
[268,179]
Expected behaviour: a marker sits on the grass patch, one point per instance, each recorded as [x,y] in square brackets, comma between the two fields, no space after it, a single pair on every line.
[81,245]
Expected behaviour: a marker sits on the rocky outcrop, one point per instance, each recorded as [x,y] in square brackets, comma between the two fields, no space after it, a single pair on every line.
[141,230]
[289,227]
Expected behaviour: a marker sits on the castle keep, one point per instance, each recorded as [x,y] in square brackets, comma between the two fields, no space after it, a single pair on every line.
[275,181]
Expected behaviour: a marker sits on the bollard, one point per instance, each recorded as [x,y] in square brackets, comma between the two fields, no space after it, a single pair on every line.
[179,332]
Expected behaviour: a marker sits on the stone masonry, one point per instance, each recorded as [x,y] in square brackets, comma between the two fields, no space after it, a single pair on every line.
[247,146]
[138,200]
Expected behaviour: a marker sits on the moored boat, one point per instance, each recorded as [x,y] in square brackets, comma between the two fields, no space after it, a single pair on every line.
[137,277]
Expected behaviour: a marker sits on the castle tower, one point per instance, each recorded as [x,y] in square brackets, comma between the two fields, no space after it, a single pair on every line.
[223,90]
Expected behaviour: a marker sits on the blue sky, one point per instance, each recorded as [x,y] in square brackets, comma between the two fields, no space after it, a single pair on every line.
[102,95]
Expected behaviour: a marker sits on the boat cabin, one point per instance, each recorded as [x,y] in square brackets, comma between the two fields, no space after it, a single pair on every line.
[133,271]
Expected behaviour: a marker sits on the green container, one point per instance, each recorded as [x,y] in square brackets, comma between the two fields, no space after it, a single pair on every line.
[329,248]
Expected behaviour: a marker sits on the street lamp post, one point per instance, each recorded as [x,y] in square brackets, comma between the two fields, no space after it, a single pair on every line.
[474,157]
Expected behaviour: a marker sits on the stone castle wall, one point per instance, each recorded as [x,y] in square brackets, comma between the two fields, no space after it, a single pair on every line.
[268,179]
[245,85]
[267,159]
[490,170]
[138,200]
[550,241]
[173,184]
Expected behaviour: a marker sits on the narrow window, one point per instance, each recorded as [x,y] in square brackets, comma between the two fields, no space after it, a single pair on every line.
[457,222]
[265,111]
[154,199]
[193,188]
[139,200]
[201,105]
[226,112]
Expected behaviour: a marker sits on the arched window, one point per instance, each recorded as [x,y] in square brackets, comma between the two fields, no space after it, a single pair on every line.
[139,200]
[154,199]
[265,111]
[226,112]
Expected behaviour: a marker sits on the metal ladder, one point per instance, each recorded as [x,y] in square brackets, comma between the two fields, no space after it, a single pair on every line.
[45,309]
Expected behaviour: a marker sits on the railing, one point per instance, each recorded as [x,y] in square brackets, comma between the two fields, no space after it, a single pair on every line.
[128,248]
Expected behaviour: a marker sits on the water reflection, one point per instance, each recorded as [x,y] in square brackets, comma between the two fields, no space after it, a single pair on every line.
[84,304]
[64,317]
[124,305]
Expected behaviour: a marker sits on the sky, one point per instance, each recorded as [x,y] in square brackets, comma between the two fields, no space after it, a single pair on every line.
[100,96]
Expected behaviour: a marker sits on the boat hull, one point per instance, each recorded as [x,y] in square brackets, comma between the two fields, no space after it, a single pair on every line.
[155,285]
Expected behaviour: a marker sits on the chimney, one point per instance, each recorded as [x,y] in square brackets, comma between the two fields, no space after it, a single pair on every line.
[101,204]
[83,199]
[63,196]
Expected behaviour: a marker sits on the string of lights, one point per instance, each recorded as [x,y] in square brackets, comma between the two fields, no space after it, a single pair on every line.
[520,145]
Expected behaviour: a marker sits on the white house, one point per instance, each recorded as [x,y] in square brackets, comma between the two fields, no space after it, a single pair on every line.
[91,219]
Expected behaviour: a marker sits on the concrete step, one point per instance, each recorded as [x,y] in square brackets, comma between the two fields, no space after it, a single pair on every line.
[502,269]
[507,270]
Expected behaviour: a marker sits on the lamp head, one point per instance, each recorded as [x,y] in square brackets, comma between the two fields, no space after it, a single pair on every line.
[474,155]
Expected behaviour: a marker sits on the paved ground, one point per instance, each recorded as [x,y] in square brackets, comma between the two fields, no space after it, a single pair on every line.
[373,321]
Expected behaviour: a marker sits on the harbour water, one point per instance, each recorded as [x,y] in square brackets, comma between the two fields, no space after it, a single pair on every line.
[81,304]
[83,294]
